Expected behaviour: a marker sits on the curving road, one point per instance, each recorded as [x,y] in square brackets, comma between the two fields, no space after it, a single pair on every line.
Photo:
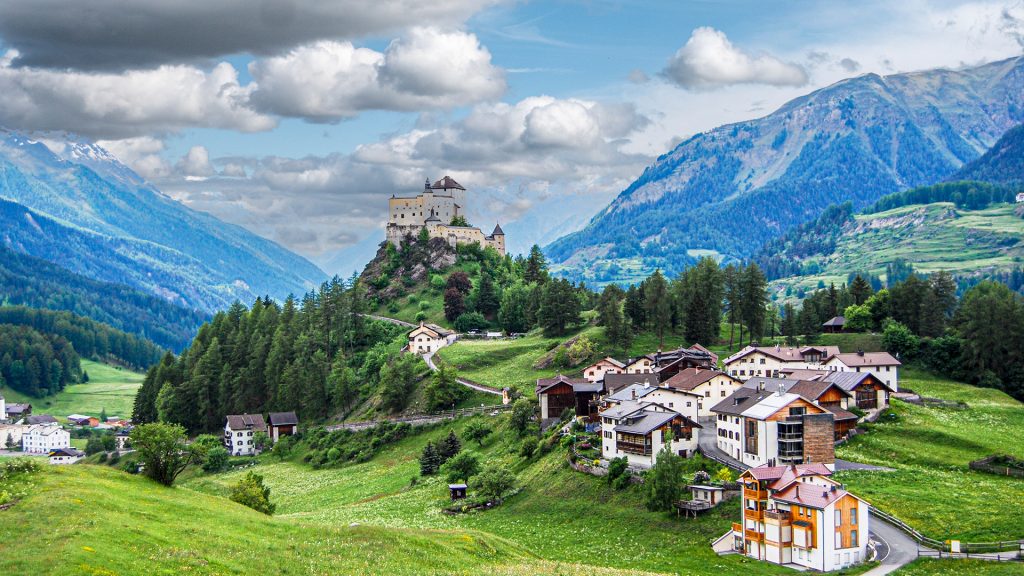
[895,548]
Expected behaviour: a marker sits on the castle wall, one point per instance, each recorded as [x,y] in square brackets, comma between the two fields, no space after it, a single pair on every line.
[407,216]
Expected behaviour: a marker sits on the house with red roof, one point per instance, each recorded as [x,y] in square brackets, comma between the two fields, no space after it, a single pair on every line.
[799,515]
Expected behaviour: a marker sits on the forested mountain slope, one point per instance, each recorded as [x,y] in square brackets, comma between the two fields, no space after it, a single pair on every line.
[103,221]
[729,190]
[37,283]
[1003,163]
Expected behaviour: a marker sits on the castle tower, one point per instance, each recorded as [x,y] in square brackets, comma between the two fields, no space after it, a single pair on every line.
[432,222]
[498,239]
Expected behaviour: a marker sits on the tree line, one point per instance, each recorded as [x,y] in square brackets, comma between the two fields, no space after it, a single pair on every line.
[37,283]
[317,356]
[693,303]
[35,363]
[90,338]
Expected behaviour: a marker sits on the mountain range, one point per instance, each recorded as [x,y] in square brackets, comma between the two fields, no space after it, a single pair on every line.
[727,191]
[74,204]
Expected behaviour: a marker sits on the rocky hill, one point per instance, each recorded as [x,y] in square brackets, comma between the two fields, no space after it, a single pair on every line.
[728,191]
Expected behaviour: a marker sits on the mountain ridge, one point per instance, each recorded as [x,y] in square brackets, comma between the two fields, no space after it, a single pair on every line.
[205,263]
[857,140]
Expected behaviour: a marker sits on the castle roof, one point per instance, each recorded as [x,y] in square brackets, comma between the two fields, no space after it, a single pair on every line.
[498,231]
[433,217]
[447,183]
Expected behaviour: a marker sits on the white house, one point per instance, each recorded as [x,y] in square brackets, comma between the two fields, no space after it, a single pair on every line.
[637,431]
[608,365]
[881,365]
[799,515]
[770,360]
[44,438]
[65,456]
[3,408]
[239,431]
[759,427]
[428,338]
[710,386]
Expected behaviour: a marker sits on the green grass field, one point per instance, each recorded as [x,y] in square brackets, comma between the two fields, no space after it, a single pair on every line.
[560,515]
[99,521]
[929,448]
[109,388]
[922,235]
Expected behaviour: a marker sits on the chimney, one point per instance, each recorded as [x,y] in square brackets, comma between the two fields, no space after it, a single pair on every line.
[781,390]
[797,489]
[824,494]
[633,393]
[833,488]
[860,352]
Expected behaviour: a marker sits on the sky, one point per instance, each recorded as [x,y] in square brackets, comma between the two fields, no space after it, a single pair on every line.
[297,119]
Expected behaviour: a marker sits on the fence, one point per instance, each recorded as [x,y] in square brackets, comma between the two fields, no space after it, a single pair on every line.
[987,465]
[1003,550]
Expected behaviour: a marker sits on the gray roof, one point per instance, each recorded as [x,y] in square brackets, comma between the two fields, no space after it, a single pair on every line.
[622,409]
[740,400]
[626,393]
[41,419]
[497,231]
[648,422]
[252,422]
[614,382]
[283,419]
[835,321]
[850,380]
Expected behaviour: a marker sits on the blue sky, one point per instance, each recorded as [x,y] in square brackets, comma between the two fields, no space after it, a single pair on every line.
[298,118]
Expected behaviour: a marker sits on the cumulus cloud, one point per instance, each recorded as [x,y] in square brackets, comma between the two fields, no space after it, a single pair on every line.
[512,156]
[709,60]
[128,104]
[108,35]
[196,163]
[327,80]
[143,154]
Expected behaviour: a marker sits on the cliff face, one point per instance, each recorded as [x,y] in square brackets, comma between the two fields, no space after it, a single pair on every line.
[394,270]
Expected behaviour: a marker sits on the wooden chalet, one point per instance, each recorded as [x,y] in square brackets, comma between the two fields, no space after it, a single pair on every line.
[560,393]
[282,424]
[834,325]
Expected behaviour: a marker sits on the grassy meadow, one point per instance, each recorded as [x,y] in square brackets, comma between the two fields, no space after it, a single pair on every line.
[109,387]
[931,487]
[923,234]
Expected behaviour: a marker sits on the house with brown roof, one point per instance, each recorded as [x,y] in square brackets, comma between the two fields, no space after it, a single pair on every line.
[615,382]
[709,385]
[772,426]
[881,365]
[239,431]
[607,365]
[429,338]
[282,424]
[638,431]
[834,325]
[799,515]
[560,393]
[769,361]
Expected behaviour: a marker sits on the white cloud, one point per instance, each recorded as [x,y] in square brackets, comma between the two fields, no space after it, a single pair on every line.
[196,163]
[327,81]
[709,60]
[128,104]
[142,154]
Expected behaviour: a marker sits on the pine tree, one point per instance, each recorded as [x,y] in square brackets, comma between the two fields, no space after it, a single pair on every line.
[536,266]
[658,305]
[733,296]
[559,307]
[789,324]
[430,460]
[103,414]
[486,298]
[454,304]
[860,290]
[449,447]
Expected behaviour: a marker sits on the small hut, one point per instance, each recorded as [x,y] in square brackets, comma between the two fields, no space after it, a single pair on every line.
[457,491]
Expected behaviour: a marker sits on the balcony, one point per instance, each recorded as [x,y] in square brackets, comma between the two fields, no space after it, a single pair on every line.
[753,535]
[736,527]
[631,448]
[749,514]
[780,516]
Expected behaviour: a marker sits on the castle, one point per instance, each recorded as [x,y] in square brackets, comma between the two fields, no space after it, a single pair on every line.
[435,209]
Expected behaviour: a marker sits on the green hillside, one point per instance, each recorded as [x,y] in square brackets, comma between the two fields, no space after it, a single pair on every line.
[99,521]
[932,237]
[110,388]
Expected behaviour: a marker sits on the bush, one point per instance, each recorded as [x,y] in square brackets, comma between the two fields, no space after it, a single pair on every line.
[421,316]
[477,430]
[462,466]
[216,459]
[103,458]
[251,492]
[115,457]
[616,468]
[522,415]
[528,448]
[899,340]
[494,483]
[469,321]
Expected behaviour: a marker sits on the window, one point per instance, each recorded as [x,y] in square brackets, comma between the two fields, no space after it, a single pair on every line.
[723,393]
[839,517]
[707,394]
[799,411]
[853,516]
[762,360]
[837,558]
[688,404]
[853,539]
[670,404]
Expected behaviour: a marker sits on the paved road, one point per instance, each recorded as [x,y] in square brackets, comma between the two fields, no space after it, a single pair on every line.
[707,439]
[895,548]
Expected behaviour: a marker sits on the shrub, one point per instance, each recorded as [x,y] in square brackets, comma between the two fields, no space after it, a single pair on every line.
[115,457]
[468,321]
[251,492]
[522,415]
[616,468]
[527,448]
[216,459]
[462,466]
[103,458]
[421,316]
[494,483]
